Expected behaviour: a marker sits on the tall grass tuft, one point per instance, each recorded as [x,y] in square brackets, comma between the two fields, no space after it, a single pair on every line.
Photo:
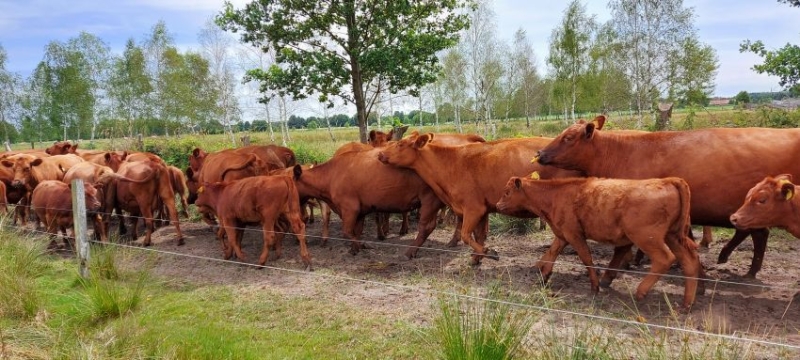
[480,330]
[508,224]
[22,261]
[108,295]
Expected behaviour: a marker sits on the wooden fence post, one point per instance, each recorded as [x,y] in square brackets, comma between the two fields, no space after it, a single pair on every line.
[79,218]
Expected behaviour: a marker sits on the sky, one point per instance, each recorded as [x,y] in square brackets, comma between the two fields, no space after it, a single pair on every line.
[27,26]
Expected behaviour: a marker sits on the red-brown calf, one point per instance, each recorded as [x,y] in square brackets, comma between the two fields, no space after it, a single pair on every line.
[52,202]
[651,214]
[771,203]
[255,200]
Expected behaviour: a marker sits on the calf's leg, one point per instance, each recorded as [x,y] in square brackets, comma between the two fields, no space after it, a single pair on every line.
[621,255]
[546,263]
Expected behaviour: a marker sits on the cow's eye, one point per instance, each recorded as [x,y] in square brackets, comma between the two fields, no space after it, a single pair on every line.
[762,201]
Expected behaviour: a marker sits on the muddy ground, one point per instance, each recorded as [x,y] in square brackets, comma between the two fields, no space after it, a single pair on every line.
[760,308]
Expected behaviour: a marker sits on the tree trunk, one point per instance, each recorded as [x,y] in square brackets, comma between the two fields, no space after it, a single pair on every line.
[355,69]
[330,131]
[269,125]
[664,115]
[398,132]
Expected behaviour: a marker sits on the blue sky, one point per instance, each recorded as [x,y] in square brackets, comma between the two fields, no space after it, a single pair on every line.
[26,26]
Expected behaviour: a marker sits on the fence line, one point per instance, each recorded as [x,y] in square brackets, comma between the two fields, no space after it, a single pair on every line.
[465,296]
[470,253]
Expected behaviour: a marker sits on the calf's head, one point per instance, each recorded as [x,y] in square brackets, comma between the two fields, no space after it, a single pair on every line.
[61,148]
[513,199]
[92,196]
[114,160]
[573,146]
[403,153]
[768,204]
[196,159]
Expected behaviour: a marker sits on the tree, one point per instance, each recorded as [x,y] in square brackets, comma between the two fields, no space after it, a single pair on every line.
[70,81]
[480,49]
[650,32]
[529,85]
[97,57]
[693,73]
[130,86]
[455,83]
[569,51]
[323,47]
[783,63]
[155,49]
[216,43]
[9,97]
[742,98]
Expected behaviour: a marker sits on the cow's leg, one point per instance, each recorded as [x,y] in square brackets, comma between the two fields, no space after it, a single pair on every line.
[760,237]
[621,255]
[382,222]
[268,228]
[708,237]
[472,221]
[226,250]
[404,224]
[692,270]
[457,232]
[548,260]
[149,224]
[168,198]
[350,225]
[231,231]
[100,227]
[661,258]
[582,248]
[425,226]
[299,230]
[184,206]
[325,210]
[734,242]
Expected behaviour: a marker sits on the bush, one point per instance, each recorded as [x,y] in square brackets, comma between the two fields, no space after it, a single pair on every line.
[110,295]
[307,155]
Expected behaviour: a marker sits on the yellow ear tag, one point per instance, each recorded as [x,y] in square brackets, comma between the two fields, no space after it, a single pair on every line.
[790,194]
[535,159]
[200,190]
[535,175]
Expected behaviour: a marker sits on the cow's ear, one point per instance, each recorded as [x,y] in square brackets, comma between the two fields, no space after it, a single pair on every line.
[389,135]
[108,156]
[589,131]
[124,155]
[599,121]
[36,162]
[196,152]
[7,163]
[787,188]
[74,147]
[189,173]
[372,135]
[517,183]
[430,136]
[297,171]
[422,140]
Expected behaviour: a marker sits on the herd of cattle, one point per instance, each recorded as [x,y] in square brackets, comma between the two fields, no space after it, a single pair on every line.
[623,188]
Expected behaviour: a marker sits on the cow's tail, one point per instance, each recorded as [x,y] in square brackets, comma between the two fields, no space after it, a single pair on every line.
[684,225]
[236,167]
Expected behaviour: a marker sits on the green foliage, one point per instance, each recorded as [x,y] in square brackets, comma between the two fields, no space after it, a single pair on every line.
[741,98]
[783,63]
[688,122]
[174,151]
[486,330]
[551,128]
[107,294]
[307,155]
[512,225]
[330,48]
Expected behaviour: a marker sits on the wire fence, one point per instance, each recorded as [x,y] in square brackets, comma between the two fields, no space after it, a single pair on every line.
[576,314]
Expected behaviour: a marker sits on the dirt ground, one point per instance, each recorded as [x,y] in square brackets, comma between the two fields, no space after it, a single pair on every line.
[760,308]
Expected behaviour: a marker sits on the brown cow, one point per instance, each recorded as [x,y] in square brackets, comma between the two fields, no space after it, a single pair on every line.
[771,203]
[141,185]
[353,193]
[469,178]
[52,202]
[112,159]
[652,214]
[61,148]
[102,177]
[255,200]
[30,170]
[744,155]
[13,195]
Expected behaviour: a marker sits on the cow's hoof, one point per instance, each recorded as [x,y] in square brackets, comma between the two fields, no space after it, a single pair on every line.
[722,259]
[147,244]
[605,284]
[309,268]
[181,242]
[353,251]
[410,255]
[492,254]
[453,243]
[750,276]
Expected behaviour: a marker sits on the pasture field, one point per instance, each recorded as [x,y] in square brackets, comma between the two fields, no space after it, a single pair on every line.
[183,302]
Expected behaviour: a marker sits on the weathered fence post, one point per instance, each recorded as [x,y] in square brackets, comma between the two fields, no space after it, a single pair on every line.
[245,140]
[79,218]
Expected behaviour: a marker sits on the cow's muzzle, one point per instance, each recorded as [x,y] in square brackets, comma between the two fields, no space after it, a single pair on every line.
[383,158]
[736,220]
[17,184]
[542,158]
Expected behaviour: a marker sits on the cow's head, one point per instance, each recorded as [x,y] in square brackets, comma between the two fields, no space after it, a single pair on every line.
[192,185]
[196,159]
[91,196]
[513,199]
[573,147]
[22,165]
[770,203]
[61,148]
[115,159]
[380,138]
[207,199]
[404,153]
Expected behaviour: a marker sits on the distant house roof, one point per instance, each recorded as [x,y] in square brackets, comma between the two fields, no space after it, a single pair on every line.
[719,101]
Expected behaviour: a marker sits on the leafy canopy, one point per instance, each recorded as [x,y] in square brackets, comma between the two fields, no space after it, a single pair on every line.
[783,63]
[322,46]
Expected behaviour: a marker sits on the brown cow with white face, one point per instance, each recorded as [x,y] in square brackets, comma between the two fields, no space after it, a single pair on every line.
[52,202]
[651,214]
[255,200]
[744,155]
[771,203]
